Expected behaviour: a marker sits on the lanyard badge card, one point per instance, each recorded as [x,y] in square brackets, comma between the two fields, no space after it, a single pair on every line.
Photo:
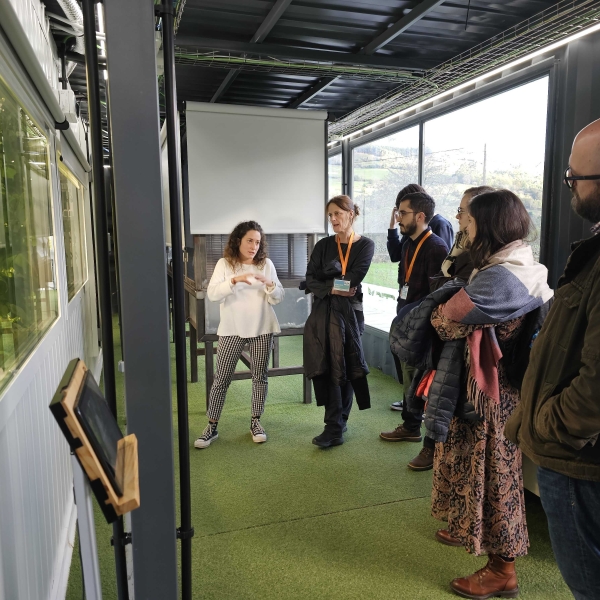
[342,285]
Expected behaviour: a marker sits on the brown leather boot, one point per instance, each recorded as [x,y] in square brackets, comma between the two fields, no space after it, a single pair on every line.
[444,536]
[497,579]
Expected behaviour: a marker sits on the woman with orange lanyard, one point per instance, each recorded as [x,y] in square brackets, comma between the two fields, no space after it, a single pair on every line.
[333,355]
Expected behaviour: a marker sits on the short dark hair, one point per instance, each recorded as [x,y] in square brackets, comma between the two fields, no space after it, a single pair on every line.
[501,218]
[411,188]
[421,202]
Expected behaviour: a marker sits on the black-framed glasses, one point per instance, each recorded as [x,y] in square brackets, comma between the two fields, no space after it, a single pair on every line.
[403,213]
[569,178]
[461,211]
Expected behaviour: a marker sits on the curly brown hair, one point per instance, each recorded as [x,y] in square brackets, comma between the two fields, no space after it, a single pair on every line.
[232,249]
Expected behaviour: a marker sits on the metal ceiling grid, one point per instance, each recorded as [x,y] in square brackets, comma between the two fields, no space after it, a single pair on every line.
[561,20]
[312,38]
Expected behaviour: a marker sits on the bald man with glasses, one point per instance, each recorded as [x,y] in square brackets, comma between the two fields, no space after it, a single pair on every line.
[557,423]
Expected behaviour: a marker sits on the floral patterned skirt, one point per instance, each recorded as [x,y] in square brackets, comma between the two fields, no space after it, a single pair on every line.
[478,484]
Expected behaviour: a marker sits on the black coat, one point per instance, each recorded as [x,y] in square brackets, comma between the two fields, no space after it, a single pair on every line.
[332,343]
[332,346]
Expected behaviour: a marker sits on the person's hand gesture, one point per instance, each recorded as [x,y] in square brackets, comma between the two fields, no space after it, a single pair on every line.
[245,278]
[394,218]
[264,280]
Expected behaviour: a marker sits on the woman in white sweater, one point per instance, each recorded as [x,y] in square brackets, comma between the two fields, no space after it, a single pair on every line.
[245,283]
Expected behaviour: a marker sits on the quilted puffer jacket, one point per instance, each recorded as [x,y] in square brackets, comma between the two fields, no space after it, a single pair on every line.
[414,341]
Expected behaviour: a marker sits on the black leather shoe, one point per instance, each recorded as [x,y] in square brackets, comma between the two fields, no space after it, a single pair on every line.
[326,440]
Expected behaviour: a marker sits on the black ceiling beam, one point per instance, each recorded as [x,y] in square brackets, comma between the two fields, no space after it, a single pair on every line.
[288,52]
[271,19]
[315,89]
[225,84]
[261,33]
[416,14]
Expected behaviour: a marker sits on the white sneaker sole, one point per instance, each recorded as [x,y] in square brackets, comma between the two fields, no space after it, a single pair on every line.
[199,443]
[260,438]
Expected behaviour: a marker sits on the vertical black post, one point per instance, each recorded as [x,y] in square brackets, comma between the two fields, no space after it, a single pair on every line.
[185,532]
[421,158]
[95,118]
[63,66]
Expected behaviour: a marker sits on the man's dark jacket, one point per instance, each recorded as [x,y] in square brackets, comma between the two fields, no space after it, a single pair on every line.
[557,423]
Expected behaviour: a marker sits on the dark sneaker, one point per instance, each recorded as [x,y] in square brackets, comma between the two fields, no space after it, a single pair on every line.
[209,435]
[257,431]
[396,405]
[345,428]
[401,434]
[326,440]
[423,461]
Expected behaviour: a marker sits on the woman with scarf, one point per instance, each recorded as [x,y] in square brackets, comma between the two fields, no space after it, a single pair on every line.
[478,481]
[333,353]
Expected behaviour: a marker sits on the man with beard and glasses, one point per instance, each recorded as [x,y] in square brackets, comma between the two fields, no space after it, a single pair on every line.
[421,258]
[557,423]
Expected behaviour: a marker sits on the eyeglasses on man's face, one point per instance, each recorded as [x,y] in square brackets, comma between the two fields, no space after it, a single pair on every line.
[569,179]
[403,213]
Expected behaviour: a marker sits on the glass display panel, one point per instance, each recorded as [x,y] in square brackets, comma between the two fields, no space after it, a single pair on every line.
[28,294]
[71,192]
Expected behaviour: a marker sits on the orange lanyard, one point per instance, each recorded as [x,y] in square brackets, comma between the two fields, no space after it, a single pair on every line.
[408,271]
[344,260]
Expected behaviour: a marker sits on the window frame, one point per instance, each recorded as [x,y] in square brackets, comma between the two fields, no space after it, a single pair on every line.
[545,68]
[64,168]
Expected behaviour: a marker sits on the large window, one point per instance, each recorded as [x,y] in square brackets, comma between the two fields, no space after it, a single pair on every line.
[71,192]
[334,171]
[28,296]
[379,171]
[499,141]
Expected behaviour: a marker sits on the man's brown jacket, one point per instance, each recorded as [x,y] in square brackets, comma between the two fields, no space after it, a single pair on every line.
[557,423]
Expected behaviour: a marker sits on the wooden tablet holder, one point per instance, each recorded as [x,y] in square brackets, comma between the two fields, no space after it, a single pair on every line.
[127,476]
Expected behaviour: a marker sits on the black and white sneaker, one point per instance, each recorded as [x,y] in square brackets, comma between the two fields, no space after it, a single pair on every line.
[209,435]
[257,431]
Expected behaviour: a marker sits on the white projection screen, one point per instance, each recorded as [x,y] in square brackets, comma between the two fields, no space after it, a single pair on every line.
[262,164]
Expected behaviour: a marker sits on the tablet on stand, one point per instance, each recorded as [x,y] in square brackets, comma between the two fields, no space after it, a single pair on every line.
[104,462]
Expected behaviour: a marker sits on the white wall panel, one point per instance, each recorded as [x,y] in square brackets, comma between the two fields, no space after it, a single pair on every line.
[32,15]
[36,497]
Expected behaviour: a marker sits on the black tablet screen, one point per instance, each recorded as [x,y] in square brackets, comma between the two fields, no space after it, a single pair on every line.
[100,426]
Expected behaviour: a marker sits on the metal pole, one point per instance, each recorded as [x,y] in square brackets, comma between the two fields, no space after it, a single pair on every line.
[95,118]
[185,532]
[87,533]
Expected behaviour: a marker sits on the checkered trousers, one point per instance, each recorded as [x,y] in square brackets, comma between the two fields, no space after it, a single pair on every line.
[229,351]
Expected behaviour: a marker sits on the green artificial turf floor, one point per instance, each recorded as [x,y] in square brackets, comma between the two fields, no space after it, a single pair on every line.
[287,520]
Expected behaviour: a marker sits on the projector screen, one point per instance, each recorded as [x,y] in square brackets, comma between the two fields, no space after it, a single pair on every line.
[263,164]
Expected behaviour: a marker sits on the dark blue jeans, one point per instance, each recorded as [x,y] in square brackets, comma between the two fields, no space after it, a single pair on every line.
[573,510]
